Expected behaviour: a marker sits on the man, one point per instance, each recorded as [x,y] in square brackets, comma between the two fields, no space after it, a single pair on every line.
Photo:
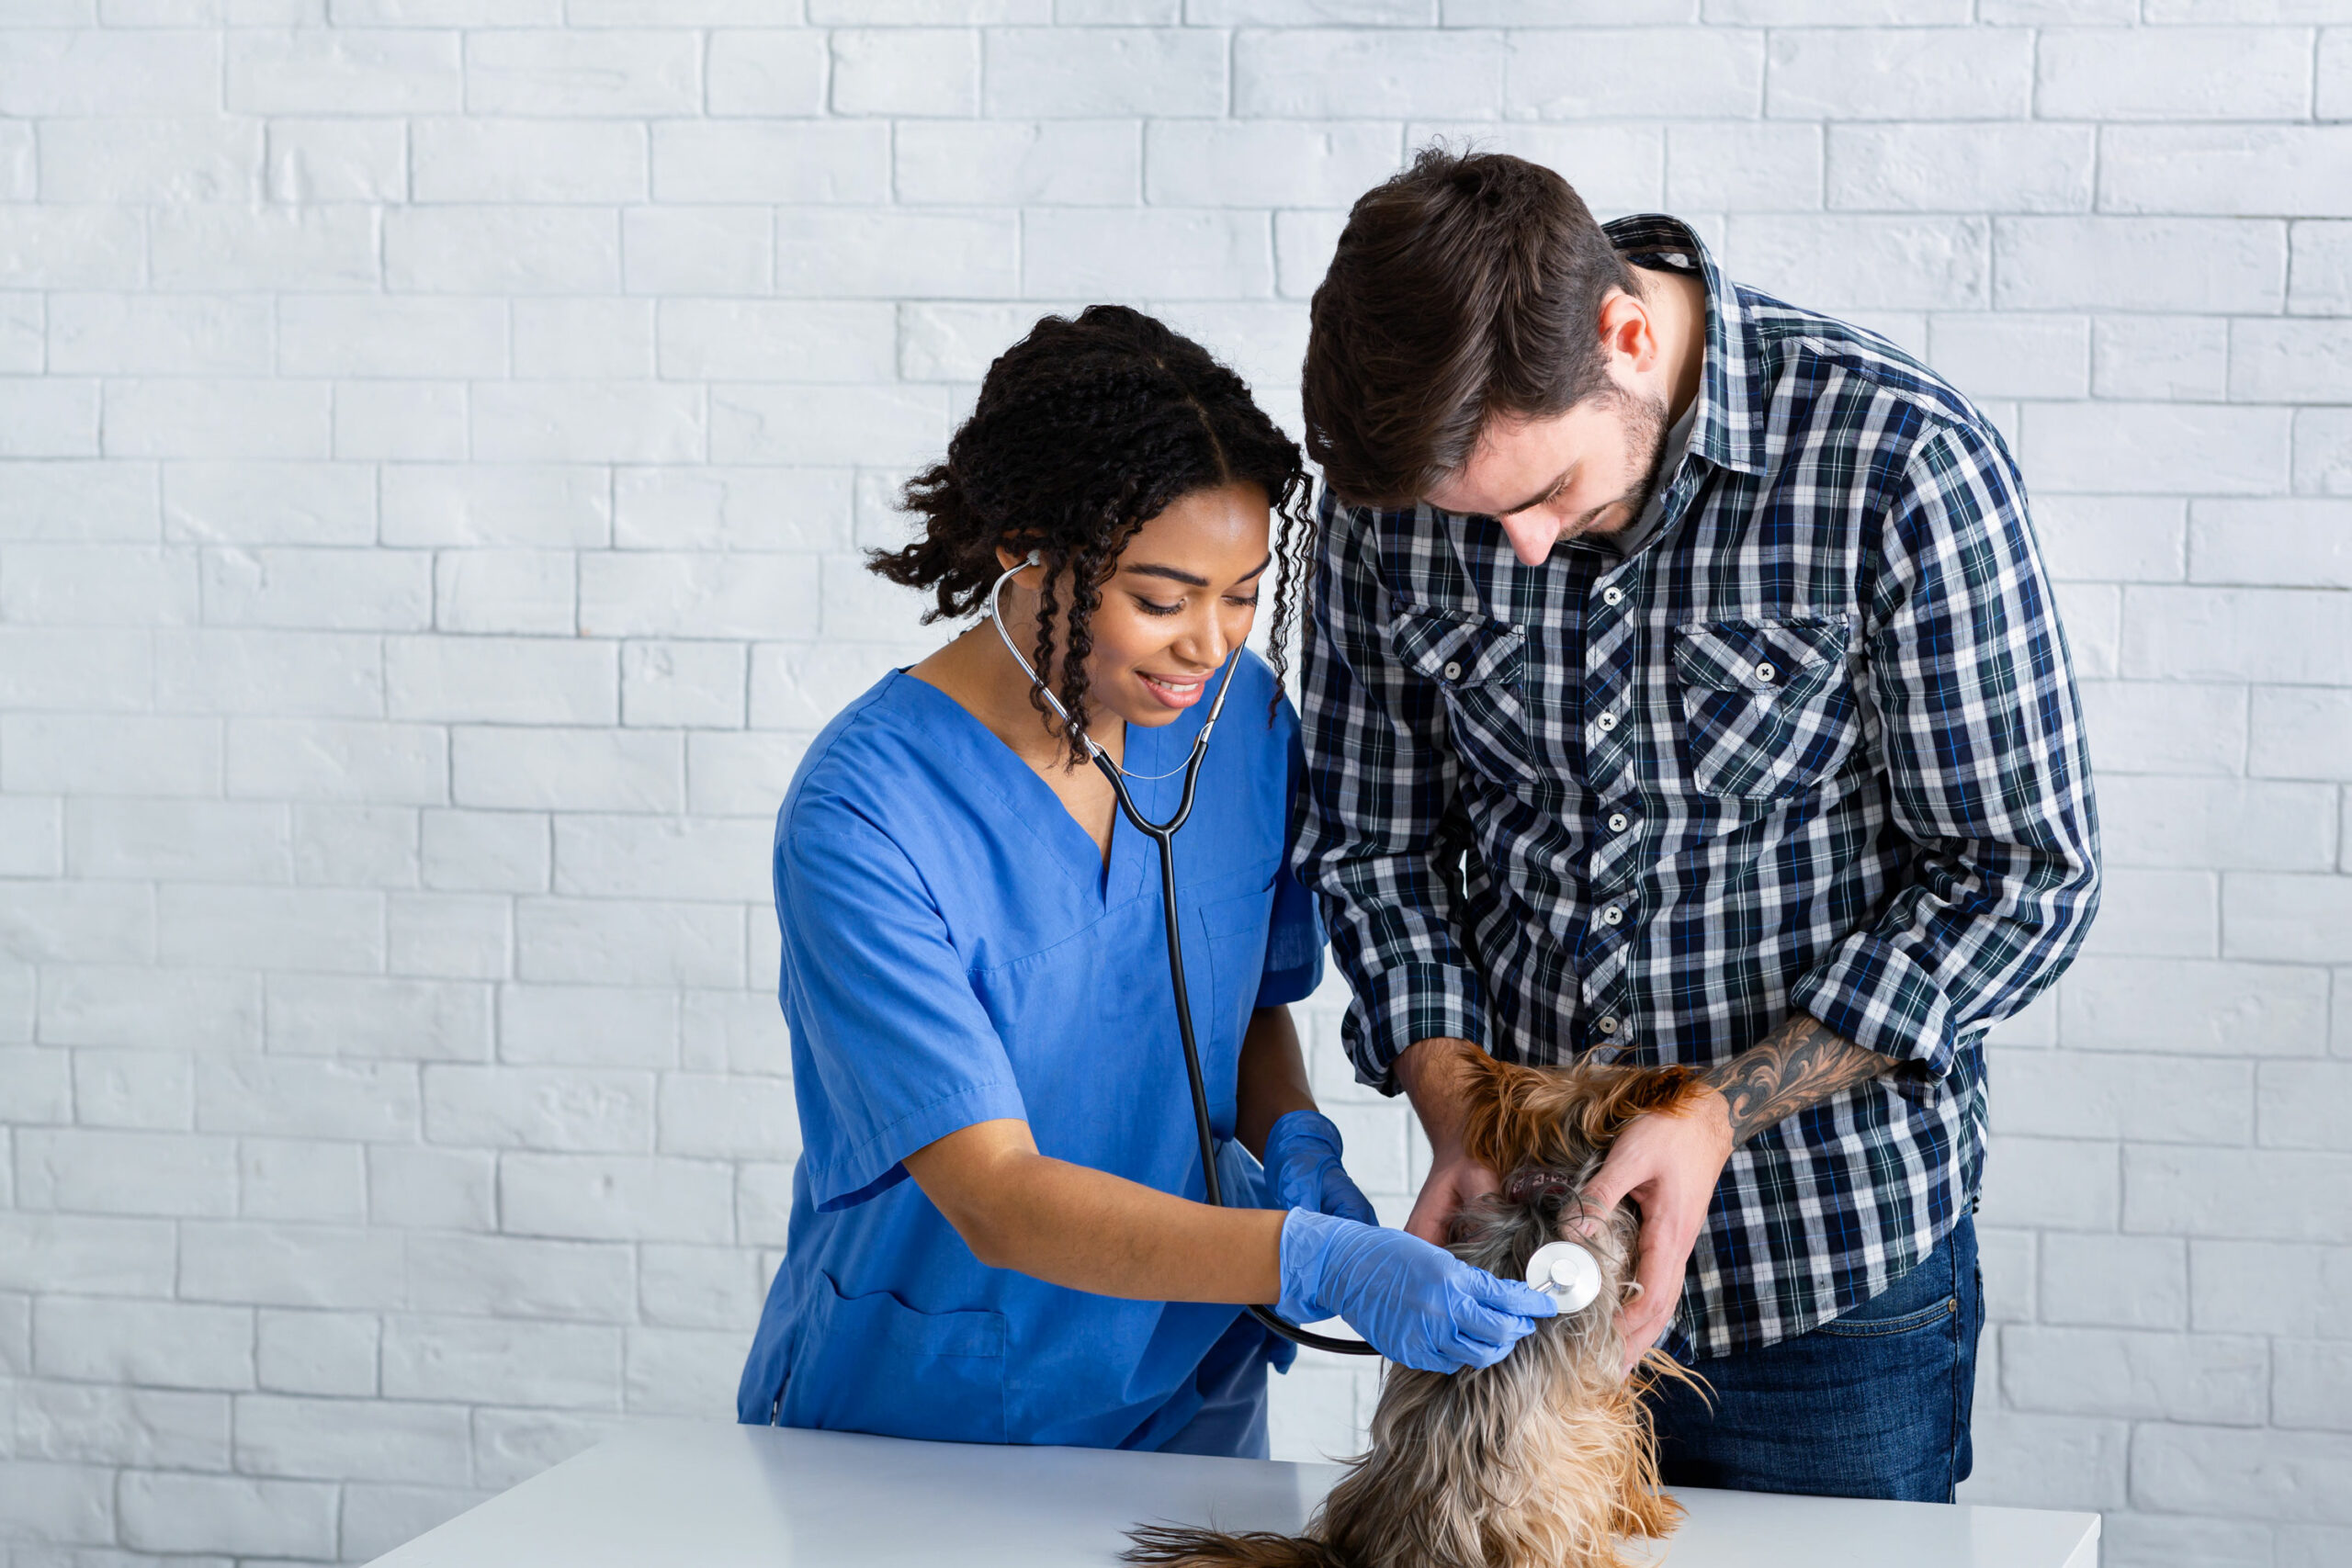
[1682,684]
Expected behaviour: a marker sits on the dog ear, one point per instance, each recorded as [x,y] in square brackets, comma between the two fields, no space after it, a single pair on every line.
[1511,1115]
[1611,1096]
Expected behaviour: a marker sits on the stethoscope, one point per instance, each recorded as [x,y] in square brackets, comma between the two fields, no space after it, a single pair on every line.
[1164,835]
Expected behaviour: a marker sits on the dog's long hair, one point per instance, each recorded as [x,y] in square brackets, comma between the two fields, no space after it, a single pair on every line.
[1545,1460]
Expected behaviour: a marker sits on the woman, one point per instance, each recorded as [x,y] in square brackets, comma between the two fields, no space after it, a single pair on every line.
[996,1230]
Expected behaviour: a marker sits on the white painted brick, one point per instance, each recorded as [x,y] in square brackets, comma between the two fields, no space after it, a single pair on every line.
[770,72]
[79,502]
[663,594]
[311,161]
[1840,264]
[149,1427]
[2313,1386]
[502,250]
[777,341]
[2160,357]
[2305,1105]
[1051,73]
[2237,634]
[301,1179]
[63,754]
[334,589]
[2064,1184]
[512,1446]
[77,923]
[87,71]
[268,503]
[2105,1095]
[19,171]
[2219,823]
[946,341]
[214,418]
[782,162]
[2231,1192]
[123,335]
[613,1197]
[1588,73]
[2049,1461]
[726,1117]
[2289,361]
[407,421]
[1056,162]
[890,423]
[2143,448]
[446,13]
[624,73]
[2267,170]
[190,840]
[500,679]
[1955,168]
[1900,74]
[344,71]
[2004,354]
[390,335]
[701,1287]
[567,769]
[2164,726]
[81,1170]
[764,1203]
[315,1352]
[402,1019]
[292,1265]
[212,159]
[2265,1287]
[47,418]
[503,590]
[74,247]
[2157,914]
[2322,463]
[2312,1546]
[2112,538]
[2120,1281]
[631,943]
[682,1371]
[307,927]
[485,852]
[1209,164]
[588,1026]
[566,1109]
[333,1440]
[432,1188]
[354,846]
[691,683]
[2335,67]
[1617,168]
[883,254]
[2219,1470]
[489,503]
[592,339]
[36,1086]
[160,1344]
[2320,274]
[1734,168]
[2166,74]
[740,775]
[325,759]
[697,250]
[136,1008]
[377,1519]
[800,686]
[32,840]
[101,1256]
[508,1277]
[638,856]
[2209,264]
[2303,544]
[587,421]
[48,668]
[2301,732]
[906,70]
[1166,253]
[314,1096]
[97,585]
[228,1514]
[2295,918]
[529,161]
[245,248]
[453,935]
[2211,1008]
[2136,1372]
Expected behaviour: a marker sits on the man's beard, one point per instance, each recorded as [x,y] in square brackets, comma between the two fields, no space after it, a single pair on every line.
[1643,421]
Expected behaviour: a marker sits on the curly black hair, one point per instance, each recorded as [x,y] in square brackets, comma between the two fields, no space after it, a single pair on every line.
[1085,431]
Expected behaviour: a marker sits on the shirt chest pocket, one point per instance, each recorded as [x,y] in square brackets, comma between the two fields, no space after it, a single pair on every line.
[1767,707]
[1479,668]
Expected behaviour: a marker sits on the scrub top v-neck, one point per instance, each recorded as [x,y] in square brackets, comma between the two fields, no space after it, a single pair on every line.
[956,949]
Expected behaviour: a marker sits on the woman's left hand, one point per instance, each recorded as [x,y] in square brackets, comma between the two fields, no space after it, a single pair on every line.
[1302,1166]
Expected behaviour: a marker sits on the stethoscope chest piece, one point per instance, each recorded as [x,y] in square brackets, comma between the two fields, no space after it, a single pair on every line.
[1566,1272]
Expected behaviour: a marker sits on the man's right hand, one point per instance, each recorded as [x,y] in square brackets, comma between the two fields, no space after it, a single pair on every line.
[1432,1072]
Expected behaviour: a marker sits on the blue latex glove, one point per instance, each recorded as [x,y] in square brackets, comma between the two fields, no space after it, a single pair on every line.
[1420,1305]
[1303,1167]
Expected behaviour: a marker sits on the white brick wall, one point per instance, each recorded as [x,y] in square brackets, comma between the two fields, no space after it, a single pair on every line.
[435,443]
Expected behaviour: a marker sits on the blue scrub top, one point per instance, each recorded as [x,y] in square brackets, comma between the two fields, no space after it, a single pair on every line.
[956,950]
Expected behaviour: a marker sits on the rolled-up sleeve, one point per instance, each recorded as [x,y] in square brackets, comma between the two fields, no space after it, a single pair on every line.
[1380,812]
[1980,744]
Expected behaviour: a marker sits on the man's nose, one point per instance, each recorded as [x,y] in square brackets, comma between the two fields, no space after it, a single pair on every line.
[1532,534]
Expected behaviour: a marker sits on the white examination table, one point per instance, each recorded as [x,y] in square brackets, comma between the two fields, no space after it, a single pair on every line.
[706,1495]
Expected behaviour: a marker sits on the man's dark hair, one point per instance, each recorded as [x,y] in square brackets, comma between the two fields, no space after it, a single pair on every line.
[1466,286]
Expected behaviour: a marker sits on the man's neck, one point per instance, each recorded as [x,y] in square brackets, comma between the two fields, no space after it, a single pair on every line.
[1680,302]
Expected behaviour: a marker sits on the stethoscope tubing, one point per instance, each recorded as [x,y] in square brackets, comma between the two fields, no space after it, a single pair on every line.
[1164,835]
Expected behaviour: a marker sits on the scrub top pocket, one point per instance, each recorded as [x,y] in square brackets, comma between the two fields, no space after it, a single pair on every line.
[852,1344]
[1479,668]
[1767,707]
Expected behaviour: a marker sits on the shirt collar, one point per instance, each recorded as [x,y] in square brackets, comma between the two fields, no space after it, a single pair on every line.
[1728,431]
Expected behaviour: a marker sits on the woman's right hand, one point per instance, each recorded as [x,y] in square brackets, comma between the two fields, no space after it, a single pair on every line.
[1417,1304]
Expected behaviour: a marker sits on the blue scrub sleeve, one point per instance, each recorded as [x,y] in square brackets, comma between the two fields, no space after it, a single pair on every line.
[1294,934]
[890,1050]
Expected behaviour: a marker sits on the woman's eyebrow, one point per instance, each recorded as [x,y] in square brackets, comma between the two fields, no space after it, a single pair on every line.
[1191,579]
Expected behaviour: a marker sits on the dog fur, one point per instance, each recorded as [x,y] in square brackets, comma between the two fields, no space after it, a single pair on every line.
[1545,1460]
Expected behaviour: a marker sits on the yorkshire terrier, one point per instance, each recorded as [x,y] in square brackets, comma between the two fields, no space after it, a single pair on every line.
[1547,1459]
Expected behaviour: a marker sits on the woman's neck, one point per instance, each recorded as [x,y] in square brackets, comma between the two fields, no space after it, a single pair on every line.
[982,677]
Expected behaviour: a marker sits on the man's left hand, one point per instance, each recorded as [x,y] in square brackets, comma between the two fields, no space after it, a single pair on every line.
[1668,1163]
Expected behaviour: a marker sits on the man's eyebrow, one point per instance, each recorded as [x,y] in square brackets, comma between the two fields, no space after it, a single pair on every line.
[1177,574]
[1549,490]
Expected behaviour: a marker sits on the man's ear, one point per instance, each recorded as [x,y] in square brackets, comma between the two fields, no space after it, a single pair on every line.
[1628,336]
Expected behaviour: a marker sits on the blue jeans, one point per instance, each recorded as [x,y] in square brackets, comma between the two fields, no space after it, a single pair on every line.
[1874,1403]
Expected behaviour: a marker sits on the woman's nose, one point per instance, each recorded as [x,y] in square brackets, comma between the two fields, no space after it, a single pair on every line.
[1206,643]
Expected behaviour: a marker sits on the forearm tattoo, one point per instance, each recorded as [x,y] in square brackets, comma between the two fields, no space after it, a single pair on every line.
[1800,1064]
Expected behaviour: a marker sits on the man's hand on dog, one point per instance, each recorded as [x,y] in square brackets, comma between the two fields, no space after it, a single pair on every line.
[1667,1164]
[1432,1072]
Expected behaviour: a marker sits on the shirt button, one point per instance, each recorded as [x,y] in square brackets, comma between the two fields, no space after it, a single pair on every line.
[1453,671]
[1611,914]
[1605,723]
[1766,672]
[1607,1026]
[1613,595]
[1617,821]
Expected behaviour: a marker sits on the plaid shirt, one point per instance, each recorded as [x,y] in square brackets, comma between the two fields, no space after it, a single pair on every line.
[1814,746]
